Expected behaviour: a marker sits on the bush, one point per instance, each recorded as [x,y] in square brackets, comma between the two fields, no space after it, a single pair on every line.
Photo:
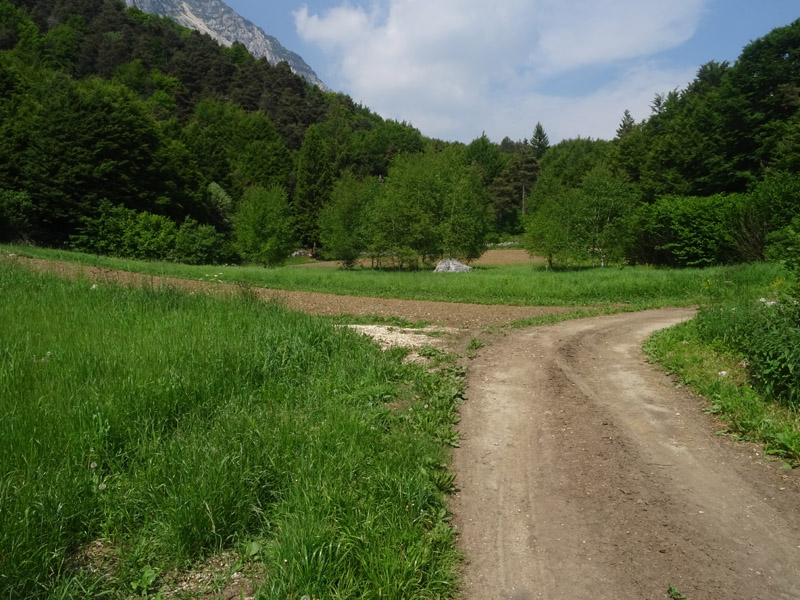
[767,335]
[783,246]
[16,211]
[687,231]
[120,231]
[197,244]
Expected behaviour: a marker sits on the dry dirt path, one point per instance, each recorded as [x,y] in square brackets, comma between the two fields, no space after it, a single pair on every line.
[584,473]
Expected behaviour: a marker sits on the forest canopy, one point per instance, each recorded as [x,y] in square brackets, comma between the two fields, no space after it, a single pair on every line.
[124,133]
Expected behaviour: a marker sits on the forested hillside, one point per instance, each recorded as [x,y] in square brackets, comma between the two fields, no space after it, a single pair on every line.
[124,133]
[710,177]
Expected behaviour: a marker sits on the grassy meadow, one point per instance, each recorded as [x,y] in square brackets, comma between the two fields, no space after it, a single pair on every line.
[148,431]
[518,284]
[165,428]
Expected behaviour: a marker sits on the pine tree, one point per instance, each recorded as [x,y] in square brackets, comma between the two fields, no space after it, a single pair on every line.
[626,125]
[539,141]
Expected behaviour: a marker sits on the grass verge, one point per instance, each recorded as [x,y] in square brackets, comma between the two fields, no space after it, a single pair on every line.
[521,285]
[722,378]
[161,428]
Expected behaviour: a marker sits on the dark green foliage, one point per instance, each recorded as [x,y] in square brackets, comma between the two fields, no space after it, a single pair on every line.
[315,173]
[72,144]
[343,222]
[102,103]
[197,244]
[770,207]
[767,335]
[626,126]
[432,204]
[263,226]
[487,157]
[120,231]
[374,144]
[16,213]
[687,231]
[291,104]
[570,160]
[540,143]
[237,149]
[510,190]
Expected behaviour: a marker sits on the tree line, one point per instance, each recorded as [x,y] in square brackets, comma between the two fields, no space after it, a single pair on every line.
[126,134]
[711,177]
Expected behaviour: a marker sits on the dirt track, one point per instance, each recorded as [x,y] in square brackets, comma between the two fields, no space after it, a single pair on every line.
[584,473]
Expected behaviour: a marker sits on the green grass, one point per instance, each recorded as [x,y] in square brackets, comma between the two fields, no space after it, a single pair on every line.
[173,427]
[522,285]
[722,378]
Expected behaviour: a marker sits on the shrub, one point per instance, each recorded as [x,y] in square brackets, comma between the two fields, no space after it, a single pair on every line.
[16,211]
[120,231]
[687,231]
[197,244]
[767,335]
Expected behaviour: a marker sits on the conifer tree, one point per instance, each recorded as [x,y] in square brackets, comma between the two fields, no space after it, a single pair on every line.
[539,141]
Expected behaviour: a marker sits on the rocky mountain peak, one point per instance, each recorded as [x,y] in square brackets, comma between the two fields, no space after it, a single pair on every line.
[225,25]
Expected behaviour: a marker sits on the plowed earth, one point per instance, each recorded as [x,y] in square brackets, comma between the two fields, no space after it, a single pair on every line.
[584,472]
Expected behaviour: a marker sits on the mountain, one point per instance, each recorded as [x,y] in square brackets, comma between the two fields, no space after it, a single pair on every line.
[225,25]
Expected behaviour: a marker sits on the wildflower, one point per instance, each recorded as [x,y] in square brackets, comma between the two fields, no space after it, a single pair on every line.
[92,465]
[94,286]
[722,373]
[101,487]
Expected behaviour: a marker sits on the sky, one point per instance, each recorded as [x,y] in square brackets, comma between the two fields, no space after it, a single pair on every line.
[456,69]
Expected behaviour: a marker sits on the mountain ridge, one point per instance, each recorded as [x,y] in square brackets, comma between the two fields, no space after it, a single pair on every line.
[226,26]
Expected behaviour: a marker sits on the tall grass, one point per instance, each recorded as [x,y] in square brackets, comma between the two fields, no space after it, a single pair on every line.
[173,426]
[523,285]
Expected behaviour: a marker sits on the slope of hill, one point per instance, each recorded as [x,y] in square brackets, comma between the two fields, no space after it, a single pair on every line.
[225,25]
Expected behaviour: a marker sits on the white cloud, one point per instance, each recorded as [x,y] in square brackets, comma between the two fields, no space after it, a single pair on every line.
[455,68]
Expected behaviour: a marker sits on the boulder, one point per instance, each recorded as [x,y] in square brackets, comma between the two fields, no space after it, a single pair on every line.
[451,265]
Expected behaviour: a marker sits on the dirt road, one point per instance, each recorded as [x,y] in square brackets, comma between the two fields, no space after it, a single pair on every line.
[584,473]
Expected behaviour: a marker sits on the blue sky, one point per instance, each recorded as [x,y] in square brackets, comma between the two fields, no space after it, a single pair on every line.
[458,68]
